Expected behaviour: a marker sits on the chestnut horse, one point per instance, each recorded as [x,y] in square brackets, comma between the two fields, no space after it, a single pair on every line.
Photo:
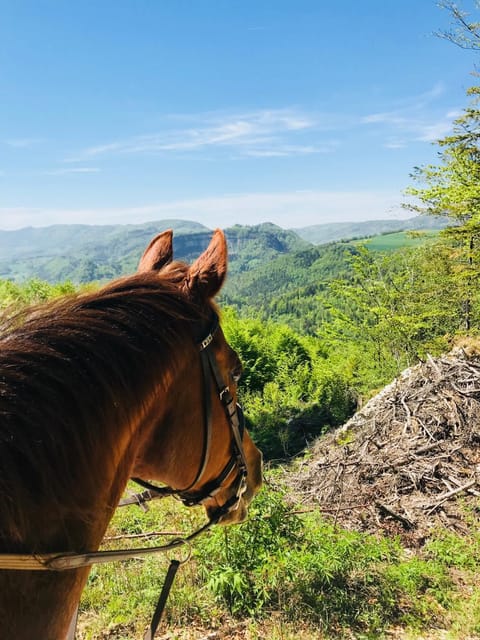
[96,389]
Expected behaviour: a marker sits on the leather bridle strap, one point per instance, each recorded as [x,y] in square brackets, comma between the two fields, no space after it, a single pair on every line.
[236,421]
[67,560]
[231,408]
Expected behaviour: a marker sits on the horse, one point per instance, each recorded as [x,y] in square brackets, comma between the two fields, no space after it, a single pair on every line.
[101,387]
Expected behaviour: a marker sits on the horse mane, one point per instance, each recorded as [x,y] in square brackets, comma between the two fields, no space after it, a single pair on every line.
[72,371]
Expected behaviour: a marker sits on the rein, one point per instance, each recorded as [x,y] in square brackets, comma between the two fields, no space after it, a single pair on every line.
[236,420]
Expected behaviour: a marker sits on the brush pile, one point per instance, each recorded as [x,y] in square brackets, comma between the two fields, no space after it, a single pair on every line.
[409,461]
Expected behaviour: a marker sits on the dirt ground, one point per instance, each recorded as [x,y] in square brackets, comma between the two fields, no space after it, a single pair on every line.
[271,630]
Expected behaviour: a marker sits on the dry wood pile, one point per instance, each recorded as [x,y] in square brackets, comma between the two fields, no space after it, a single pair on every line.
[409,461]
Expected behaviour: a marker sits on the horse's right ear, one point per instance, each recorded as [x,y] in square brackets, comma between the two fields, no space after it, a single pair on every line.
[207,274]
[158,253]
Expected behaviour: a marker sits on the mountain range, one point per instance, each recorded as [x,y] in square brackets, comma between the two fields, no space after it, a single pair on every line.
[82,253]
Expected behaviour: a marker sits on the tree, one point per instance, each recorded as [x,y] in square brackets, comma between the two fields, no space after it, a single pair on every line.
[397,307]
[452,188]
[465,33]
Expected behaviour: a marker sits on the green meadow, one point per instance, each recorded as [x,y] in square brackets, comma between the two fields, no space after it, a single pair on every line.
[401,239]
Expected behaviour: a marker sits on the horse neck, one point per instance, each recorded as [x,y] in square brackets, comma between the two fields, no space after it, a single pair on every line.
[50,598]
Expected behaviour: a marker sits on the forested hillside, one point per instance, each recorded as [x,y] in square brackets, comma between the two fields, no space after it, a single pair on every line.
[82,253]
[292,288]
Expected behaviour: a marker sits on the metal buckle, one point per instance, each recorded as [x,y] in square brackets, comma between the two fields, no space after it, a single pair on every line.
[206,341]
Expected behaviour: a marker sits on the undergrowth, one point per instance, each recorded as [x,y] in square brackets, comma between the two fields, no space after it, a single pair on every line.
[296,568]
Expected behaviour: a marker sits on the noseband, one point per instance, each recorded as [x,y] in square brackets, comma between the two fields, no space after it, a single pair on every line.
[236,420]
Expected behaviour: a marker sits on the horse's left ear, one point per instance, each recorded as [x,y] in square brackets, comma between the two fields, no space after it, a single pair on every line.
[158,253]
[207,274]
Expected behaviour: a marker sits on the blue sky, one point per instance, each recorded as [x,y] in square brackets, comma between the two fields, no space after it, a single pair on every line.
[296,112]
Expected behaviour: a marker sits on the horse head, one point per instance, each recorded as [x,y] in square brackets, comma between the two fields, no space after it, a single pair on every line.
[197,443]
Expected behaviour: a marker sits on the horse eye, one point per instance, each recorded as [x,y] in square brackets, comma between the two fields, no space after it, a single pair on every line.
[236,374]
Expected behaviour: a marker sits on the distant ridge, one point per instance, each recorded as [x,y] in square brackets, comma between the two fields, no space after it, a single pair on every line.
[58,238]
[83,253]
[336,231]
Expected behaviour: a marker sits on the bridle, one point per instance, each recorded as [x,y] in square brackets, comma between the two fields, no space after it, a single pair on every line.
[189,496]
[235,417]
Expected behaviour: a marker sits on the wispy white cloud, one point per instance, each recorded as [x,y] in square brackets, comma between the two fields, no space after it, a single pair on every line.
[287,209]
[257,133]
[414,119]
[280,133]
[455,113]
[291,150]
[431,132]
[395,144]
[414,128]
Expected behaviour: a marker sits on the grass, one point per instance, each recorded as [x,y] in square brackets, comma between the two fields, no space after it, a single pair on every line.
[281,575]
[398,240]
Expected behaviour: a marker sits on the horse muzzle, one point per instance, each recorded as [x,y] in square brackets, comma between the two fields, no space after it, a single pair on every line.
[240,496]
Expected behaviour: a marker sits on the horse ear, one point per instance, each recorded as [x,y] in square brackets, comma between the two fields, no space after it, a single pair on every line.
[207,274]
[158,253]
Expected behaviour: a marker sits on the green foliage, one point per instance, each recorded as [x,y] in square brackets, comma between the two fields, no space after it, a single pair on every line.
[396,308]
[342,581]
[14,295]
[236,561]
[289,390]
[291,288]
[337,583]
[463,553]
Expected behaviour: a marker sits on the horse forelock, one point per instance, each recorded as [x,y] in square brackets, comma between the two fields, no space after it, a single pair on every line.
[73,373]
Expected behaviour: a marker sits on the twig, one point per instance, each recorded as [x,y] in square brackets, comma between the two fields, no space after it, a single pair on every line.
[408,423]
[445,496]
[347,508]
[408,524]
[457,482]
[427,447]
[466,392]
[434,366]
